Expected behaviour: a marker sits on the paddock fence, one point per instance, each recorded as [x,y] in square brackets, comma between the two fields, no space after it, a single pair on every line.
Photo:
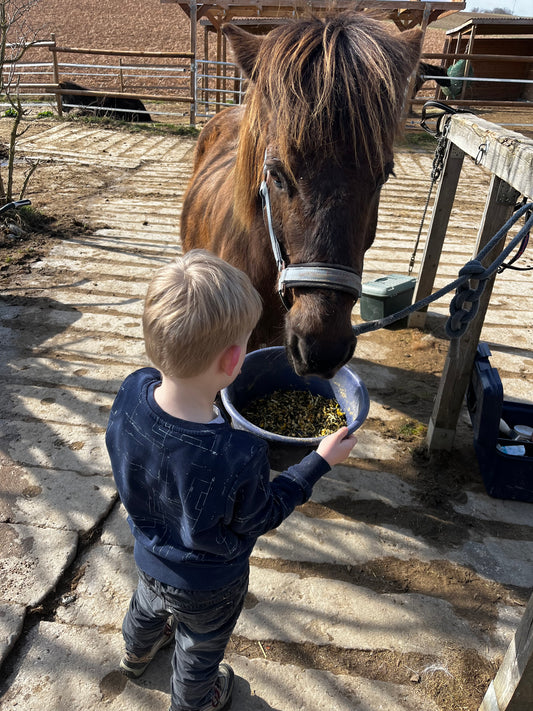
[173,85]
[176,86]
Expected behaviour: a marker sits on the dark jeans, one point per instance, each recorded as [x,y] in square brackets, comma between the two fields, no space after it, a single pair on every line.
[205,620]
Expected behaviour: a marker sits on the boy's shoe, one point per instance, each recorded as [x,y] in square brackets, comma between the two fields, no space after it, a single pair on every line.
[133,666]
[223,690]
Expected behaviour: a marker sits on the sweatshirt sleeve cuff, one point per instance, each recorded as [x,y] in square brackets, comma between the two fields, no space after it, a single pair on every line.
[307,472]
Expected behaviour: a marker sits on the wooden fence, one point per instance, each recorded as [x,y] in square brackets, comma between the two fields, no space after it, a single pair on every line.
[508,156]
[155,77]
[199,87]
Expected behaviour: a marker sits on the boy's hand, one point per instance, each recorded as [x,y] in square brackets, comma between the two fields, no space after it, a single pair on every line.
[337,446]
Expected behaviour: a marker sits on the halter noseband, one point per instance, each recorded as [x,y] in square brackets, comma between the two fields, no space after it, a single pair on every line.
[319,275]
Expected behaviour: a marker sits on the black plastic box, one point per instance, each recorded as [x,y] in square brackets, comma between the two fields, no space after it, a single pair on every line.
[505,476]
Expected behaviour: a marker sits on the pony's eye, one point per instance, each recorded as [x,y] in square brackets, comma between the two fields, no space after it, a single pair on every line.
[276,178]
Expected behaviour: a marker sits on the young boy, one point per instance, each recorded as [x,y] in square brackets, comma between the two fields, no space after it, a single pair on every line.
[197,492]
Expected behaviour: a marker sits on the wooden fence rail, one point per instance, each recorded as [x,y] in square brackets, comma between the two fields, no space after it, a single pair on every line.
[189,99]
[509,157]
[512,687]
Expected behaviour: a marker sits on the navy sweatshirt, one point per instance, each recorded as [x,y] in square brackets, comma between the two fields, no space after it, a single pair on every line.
[197,495]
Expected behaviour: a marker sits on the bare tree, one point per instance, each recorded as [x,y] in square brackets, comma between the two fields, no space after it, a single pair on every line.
[16,38]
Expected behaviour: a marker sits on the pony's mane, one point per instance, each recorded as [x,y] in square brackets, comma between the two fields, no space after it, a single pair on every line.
[336,83]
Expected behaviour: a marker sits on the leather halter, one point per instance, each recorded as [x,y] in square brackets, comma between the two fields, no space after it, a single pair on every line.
[318,275]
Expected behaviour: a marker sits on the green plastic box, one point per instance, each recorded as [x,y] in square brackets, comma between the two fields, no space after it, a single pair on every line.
[385,296]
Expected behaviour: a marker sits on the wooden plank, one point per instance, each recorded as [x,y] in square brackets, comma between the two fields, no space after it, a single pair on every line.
[450,5]
[462,55]
[453,161]
[122,52]
[462,351]
[512,687]
[507,154]
[51,89]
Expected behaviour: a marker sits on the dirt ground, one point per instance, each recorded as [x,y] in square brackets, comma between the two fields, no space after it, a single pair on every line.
[440,480]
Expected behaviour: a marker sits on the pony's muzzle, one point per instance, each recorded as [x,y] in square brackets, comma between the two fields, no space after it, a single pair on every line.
[323,358]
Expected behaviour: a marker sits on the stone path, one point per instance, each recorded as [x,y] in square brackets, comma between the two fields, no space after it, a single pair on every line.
[70,332]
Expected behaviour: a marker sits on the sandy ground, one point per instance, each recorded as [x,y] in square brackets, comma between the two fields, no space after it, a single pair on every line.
[440,481]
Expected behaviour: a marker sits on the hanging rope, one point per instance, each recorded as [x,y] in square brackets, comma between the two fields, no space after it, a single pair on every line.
[442,116]
[522,249]
[465,303]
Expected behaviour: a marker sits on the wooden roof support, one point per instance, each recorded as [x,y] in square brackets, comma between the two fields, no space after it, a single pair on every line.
[405,13]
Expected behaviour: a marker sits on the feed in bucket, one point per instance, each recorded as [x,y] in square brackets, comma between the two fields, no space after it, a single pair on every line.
[296,413]
[267,370]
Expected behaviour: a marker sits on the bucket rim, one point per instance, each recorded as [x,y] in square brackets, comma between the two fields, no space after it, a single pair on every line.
[364,406]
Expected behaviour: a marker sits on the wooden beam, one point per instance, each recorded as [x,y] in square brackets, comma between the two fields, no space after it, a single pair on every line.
[512,687]
[484,57]
[462,351]
[507,154]
[447,187]
[120,52]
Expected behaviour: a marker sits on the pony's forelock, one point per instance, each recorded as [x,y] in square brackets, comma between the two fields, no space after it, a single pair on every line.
[337,83]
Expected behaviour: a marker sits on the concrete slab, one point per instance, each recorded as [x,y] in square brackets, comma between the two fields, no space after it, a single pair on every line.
[341,541]
[11,620]
[30,496]
[362,485]
[322,612]
[64,671]
[270,686]
[57,445]
[507,561]
[75,405]
[488,509]
[106,582]
[31,561]
[64,358]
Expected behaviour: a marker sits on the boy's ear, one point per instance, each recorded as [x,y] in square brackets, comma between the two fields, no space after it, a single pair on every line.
[230,358]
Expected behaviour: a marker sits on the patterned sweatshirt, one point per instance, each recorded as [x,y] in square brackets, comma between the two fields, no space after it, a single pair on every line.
[197,495]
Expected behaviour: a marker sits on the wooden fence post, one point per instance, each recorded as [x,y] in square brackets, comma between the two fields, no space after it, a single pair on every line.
[447,187]
[461,353]
[59,98]
[512,687]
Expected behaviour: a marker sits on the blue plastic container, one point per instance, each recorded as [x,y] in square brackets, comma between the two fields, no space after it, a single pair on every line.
[267,370]
[505,476]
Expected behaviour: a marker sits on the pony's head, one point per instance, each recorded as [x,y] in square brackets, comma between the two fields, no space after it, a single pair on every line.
[321,116]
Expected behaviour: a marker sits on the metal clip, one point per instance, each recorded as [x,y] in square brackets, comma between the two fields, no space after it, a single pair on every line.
[481,151]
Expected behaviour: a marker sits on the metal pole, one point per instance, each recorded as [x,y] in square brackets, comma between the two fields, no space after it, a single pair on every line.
[194,67]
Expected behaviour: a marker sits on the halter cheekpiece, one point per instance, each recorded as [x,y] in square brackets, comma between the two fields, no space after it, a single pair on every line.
[318,275]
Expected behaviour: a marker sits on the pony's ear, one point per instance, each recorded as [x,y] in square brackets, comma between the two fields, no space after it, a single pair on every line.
[245,47]
[412,42]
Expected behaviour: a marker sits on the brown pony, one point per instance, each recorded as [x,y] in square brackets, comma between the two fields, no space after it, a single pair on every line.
[318,126]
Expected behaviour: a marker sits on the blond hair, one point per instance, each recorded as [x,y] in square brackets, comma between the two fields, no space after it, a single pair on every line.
[195,307]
